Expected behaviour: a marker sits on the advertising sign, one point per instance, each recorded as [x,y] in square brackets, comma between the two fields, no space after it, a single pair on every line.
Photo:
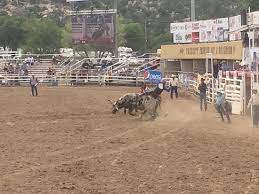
[201,31]
[254,18]
[235,24]
[182,32]
[153,76]
[182,37]
[195,37]
[195,26]
[93,29]
[177,27]
[222,29]
[204,27]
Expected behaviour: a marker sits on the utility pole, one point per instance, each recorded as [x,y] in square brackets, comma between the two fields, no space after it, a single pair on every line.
[145,35]
[193,10]
[116,29]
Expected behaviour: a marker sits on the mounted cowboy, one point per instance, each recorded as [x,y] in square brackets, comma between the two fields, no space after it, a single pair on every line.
[156,93]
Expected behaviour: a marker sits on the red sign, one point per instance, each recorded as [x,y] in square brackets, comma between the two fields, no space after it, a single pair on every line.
[195,37]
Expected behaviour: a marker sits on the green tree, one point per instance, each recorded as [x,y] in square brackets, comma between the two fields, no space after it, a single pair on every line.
[43,36]
[12,34]
[58,17]
[134,36]
[157,40]
[66,35]
[254,5]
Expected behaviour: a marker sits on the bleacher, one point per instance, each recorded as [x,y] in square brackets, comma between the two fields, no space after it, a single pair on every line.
[41,68]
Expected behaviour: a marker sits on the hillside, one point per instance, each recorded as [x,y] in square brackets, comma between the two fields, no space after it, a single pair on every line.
[159,9]
[140,21]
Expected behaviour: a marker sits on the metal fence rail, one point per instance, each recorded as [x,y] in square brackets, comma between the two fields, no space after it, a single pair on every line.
[21,80]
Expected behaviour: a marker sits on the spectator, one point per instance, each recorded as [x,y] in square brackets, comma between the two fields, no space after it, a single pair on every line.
[26,72]
[216,68]
[31,61]
[50,71]
[225,66]
[246,41]
[5,68]
[34,82]
[54,60]
[237,66]
[85,65]
[21,72]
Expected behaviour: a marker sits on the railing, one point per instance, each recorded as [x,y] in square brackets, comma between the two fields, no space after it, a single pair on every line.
[234,88]
[75,66]
[20,80]
[63,62]
[112,67]
[145,64]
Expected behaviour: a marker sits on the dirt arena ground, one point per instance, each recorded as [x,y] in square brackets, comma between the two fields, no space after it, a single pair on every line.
[67,141]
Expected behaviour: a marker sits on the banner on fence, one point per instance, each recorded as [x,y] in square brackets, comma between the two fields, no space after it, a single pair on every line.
[153,76]
[93,28]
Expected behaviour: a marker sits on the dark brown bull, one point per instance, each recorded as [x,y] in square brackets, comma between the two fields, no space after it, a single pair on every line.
[129,101]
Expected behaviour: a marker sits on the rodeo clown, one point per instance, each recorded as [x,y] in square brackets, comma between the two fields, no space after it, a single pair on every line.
[222,106]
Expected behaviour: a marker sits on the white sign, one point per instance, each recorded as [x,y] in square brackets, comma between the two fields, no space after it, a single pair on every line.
[253,18]
[177,27]
[235,24]
[203,31]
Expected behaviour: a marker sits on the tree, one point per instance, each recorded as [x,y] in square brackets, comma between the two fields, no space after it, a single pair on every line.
[134,36]
[12,34]
[254,4]
[66,38]
[58,17]
[157,40]
[44,36]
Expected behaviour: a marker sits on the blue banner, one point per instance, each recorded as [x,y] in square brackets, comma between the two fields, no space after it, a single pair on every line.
[153,76]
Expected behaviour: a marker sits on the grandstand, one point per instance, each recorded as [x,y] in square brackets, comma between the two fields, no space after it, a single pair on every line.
[74,70]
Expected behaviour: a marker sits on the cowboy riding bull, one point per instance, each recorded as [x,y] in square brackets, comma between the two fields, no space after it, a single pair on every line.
[147,102]
[137,102]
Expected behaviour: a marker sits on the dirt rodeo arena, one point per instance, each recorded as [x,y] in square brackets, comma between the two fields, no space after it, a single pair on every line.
[66,140]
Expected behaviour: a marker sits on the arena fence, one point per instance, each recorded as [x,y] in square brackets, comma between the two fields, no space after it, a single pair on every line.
[233,83]
[17,80]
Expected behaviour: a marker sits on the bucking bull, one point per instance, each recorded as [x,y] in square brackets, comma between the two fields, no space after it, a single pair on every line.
[133,102]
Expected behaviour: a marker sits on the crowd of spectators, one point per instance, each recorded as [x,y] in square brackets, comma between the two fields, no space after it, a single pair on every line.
[17,67]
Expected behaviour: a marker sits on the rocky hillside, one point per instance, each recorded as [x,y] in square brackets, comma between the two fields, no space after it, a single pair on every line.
[133,9]
[41,8]
[143,24]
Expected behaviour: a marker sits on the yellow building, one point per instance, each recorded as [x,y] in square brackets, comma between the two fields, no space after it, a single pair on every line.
[193,57]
